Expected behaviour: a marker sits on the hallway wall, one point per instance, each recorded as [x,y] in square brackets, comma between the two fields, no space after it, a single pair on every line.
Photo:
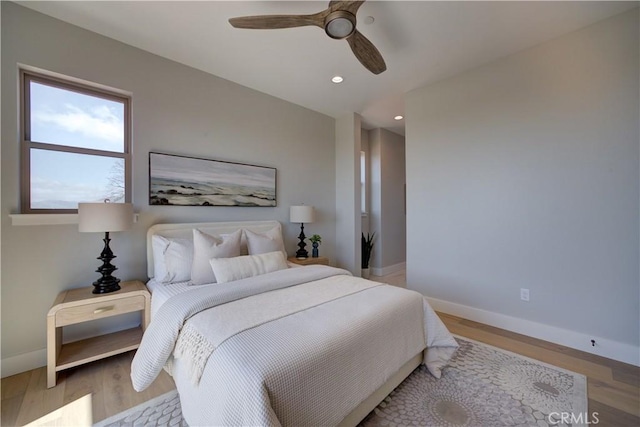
[388,207]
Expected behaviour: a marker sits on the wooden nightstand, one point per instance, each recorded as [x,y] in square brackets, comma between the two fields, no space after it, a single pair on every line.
[309,261]
[80,305]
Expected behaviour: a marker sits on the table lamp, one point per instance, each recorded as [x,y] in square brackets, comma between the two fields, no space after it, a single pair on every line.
[304,215]
[105,217]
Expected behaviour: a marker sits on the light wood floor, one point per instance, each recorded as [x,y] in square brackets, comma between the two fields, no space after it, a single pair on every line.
[613,387]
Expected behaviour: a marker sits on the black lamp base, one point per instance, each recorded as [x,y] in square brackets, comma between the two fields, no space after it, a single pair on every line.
[302,252]
[107,283]
[101,287]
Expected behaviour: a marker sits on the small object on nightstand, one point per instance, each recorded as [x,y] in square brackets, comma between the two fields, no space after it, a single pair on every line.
[309,261]
[81,305]
[315,241]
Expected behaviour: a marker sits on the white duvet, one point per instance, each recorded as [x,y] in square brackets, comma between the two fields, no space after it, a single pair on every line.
[297,347]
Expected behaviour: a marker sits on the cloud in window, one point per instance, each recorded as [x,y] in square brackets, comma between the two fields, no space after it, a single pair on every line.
[95,122]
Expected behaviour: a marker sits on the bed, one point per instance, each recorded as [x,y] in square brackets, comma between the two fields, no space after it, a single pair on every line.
[273,345]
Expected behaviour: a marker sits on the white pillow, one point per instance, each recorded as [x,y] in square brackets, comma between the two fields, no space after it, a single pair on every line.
[206,247]
[241,267]
[261,243]
[172,259]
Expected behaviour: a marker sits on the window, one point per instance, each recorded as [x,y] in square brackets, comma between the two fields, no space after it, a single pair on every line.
[75,144]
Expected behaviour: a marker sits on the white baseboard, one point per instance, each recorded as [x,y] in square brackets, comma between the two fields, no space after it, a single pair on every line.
[389,269]
[604,347]
[24,362]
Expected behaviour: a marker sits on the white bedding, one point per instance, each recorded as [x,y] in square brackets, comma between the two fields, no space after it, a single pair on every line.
[306,363]
[162,292]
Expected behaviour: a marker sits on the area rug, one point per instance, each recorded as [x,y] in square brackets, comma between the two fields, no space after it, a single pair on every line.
[482,386]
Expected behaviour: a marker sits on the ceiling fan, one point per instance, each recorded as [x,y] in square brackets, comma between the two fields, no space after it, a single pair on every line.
[338,21]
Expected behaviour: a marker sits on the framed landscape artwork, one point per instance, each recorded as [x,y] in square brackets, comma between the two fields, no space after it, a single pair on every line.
[189,181]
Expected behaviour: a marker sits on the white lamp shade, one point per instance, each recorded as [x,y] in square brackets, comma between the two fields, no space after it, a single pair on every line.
[301,214]
[95,217]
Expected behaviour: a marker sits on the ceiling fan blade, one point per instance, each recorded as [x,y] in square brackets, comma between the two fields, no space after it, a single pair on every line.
[272,22]
[349,6]
[366,53]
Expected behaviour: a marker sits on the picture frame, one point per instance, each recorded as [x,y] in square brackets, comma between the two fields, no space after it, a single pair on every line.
[176,180]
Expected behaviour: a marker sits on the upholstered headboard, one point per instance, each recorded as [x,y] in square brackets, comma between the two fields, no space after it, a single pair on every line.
[215,228]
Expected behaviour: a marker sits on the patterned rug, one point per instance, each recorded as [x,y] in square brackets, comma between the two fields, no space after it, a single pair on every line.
[482,386]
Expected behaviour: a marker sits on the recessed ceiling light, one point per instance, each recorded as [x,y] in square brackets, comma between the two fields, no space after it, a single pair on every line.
[337,79]
[398,118]
[369,20]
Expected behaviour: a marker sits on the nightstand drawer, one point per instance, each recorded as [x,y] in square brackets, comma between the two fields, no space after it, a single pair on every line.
[98,310]
[319,260]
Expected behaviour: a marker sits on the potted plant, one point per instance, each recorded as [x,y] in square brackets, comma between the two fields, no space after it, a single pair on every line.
[367,247]
[315,241]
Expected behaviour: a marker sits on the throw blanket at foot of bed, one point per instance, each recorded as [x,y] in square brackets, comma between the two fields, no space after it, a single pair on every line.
[301,346]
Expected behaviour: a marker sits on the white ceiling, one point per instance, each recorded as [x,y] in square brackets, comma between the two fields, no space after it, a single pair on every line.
[421,42]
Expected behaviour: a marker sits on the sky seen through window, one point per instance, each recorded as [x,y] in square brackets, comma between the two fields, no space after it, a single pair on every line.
[59,180]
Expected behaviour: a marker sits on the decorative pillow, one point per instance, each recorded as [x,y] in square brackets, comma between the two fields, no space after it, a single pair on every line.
[172,259]
[261,243]
[241,267]
[206,247]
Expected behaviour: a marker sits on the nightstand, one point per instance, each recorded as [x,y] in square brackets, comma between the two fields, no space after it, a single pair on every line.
[81,305]
[309,261]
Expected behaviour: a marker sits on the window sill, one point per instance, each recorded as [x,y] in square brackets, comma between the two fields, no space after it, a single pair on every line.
[49,219]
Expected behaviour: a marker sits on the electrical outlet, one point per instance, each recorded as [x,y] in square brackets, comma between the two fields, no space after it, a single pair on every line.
[524,294]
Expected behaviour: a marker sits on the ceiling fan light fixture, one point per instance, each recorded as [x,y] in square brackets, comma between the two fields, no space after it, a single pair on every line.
[340,24]
[338,21]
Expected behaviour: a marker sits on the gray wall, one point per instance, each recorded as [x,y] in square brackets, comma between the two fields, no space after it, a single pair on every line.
[176,109]
[524,173]
[347,181]
[388,217]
